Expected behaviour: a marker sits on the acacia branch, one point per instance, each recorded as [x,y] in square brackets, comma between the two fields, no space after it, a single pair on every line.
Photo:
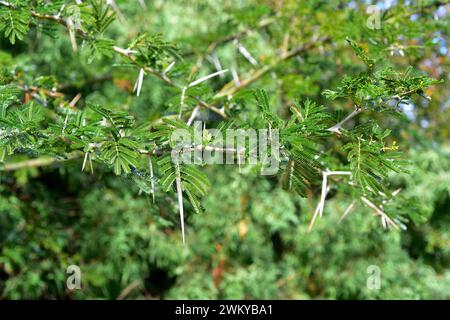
[128,289]
[347,211]
[128,55]
[39,162]
[226,90]
[213,45]
[384,217]
[230,89]
[48,161]
[338,126]
[124,52]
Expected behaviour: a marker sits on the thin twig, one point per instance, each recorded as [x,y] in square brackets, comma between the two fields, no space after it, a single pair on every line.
[338,126]
[347,211]
[39,162]
[193,115]
[128,289]
[378,211]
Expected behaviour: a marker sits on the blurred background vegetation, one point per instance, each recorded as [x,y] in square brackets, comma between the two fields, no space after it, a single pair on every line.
[252,241]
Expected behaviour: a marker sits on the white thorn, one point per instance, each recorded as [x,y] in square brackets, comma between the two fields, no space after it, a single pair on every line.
[183,94]
[193,115]
[61,10]
[75,100]
[138,84]
[84,161]
[215,60]
[65,121]
[142,3]
[90,163]
[180,202]
[116,8]
[150,168]
[245,53]
[196,82]
[73,40]
[169,67]
[347,211]
[323,195]
[236,80]
[385,220]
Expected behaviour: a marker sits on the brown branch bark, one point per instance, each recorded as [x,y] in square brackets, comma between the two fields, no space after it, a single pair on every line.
[39,162]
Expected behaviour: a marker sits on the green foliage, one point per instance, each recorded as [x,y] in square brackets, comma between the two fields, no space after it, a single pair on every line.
[193,182]
[375,89]
[14,22]
[101,15]
[301,137]
[264,107]
[88,176]
[120,154]
[371,160]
